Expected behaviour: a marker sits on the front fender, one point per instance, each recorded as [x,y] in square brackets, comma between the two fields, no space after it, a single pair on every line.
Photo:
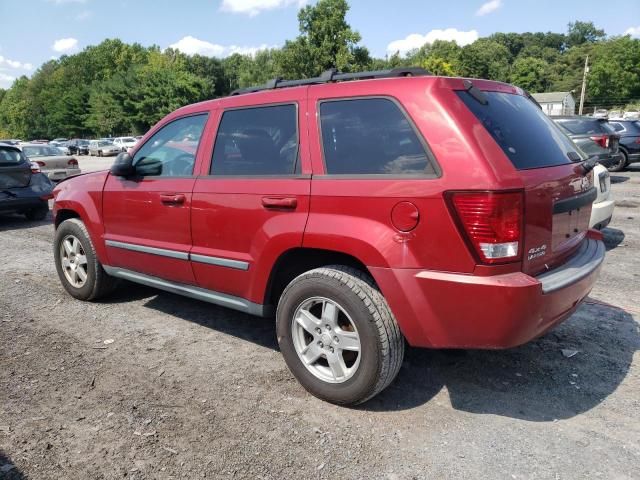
[82,197]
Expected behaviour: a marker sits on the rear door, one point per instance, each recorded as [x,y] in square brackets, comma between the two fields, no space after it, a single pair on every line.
[558,193]
[251,203]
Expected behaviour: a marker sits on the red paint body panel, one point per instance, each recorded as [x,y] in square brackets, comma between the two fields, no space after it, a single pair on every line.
[439,292]
[82,195]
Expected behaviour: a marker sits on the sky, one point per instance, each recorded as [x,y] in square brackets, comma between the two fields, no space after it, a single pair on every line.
[34,31]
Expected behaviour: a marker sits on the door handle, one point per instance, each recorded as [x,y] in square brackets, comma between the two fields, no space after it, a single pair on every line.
[172,198]
[284,203]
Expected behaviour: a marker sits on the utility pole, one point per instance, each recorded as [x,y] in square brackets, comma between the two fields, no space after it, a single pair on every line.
[584,84]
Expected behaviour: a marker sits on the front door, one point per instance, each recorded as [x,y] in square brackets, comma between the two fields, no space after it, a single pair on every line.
[147,216]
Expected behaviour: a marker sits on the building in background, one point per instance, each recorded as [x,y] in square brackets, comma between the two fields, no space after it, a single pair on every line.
[556,103]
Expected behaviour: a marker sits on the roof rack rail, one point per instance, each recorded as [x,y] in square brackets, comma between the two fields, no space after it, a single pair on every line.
[332,75]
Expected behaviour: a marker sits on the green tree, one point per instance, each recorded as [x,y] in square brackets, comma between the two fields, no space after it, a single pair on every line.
[485,58]
[583,32]
[326,41]
[532,74]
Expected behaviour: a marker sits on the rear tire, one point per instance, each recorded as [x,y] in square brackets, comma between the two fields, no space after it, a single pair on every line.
[621,165]
[77,264]
[347,361]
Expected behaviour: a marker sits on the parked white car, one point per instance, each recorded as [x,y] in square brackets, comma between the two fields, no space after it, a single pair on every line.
[125,143]
[602,208]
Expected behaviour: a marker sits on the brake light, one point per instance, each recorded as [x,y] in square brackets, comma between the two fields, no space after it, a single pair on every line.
[492,222]
[35,167]
[72,162]
[41,164]
[602,140]
[637,140]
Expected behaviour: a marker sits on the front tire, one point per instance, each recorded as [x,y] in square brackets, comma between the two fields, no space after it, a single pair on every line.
[338,336]
[77,264]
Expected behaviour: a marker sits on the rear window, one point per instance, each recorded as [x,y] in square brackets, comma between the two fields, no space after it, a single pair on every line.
[371,137]
[526,135]
[9,156]
[581,126]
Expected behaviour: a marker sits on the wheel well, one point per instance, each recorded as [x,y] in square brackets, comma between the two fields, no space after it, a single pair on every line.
[299,260]
[65,215]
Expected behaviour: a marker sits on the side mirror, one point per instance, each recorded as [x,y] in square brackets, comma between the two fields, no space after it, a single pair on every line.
[123,166]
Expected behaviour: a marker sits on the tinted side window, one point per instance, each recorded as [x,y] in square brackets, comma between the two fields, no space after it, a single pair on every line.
[581,126]
[526,135]
[171,151]
[370,136]
[257,141]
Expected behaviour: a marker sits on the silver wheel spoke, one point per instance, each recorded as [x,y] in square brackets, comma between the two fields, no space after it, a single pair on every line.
[82,274]
[81,259]
[75,245]
[68,248]
[330,313]
[65,262]
[348,341]
[337,366]
[311,353]
[308,321]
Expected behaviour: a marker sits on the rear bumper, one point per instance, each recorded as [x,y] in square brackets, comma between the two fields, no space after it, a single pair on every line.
[61,174]
[601,213]
[21,199]
[449,310]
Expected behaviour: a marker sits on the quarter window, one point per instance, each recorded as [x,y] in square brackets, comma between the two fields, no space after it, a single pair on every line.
[257,141]
[171,151]
[370,136]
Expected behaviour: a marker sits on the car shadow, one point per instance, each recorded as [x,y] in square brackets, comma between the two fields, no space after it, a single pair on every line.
[565,373]
[260,331]
[619,179]
[8,470]
[14,221]
[612,237]
[535,382]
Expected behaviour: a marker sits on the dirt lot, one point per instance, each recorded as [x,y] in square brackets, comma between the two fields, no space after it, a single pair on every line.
[182,389]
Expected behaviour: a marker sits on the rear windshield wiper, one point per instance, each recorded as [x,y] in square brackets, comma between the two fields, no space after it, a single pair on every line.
[589,164]
[475,92]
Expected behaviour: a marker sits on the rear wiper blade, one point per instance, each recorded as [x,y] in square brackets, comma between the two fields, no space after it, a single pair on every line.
[589,164]
[475,92]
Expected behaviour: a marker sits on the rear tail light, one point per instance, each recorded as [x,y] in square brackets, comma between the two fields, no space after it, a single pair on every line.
[602,140]
[35,167]
[492,223]
[41,164]
[637,140]
[72,162]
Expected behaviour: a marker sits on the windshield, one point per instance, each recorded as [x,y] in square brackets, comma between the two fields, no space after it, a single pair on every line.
[40,151]
[104,144]
[526,135]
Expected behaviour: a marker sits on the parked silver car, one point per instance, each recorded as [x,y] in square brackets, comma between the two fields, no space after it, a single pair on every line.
[103,148]
[51,161]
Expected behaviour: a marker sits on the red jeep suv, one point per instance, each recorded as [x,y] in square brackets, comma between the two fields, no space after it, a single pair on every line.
[364,210]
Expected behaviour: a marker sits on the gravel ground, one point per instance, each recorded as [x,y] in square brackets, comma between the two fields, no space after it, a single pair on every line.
[152,385]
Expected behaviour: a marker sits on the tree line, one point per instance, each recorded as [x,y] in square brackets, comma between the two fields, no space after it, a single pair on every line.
[117,88]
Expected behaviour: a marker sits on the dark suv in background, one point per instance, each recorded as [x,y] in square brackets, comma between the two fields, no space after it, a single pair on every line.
[23,187]
[629,131]
[595,137]
[78,146]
